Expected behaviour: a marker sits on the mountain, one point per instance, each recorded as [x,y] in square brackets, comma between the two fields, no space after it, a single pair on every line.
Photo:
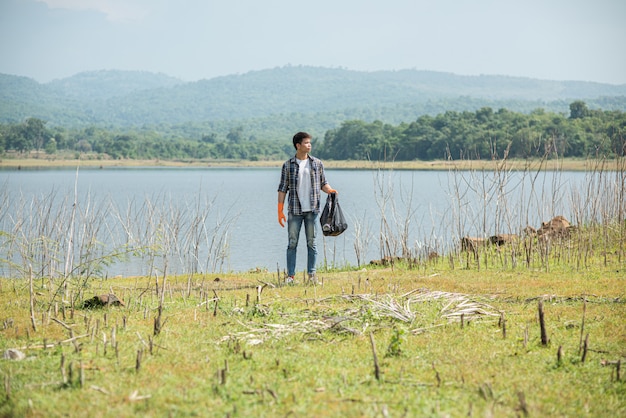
[102,85]
[322,97]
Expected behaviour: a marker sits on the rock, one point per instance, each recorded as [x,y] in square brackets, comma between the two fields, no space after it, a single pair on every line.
[102,300]
[14,354]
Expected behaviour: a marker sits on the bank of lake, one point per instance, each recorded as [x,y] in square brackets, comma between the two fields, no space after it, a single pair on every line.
[41,162]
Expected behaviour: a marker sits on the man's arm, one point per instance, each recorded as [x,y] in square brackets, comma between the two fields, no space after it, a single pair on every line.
[281,208]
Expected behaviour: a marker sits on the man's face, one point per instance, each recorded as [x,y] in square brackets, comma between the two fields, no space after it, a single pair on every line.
[305,145]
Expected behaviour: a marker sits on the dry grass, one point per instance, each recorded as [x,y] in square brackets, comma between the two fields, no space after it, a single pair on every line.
[58,162]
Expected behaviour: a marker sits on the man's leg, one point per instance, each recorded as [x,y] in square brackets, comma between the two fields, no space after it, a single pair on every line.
[294,224]
[310,228]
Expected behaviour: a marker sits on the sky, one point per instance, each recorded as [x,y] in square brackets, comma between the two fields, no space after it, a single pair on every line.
[202,39]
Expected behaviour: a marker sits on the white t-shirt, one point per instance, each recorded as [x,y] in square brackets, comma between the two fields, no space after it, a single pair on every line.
[304,184]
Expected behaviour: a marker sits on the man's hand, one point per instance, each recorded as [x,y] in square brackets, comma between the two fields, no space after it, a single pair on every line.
[332,191]
[281,215]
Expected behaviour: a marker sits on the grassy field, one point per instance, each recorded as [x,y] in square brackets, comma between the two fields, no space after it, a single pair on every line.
[425,341]
[536,327]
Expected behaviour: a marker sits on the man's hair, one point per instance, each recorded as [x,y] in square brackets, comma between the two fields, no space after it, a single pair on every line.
[299,137]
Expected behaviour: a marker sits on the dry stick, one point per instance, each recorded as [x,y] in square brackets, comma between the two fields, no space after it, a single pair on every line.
[74,342]
[582,326]
[618,366]
[526,336]
[224,373]
[138,360]
[158,324]
[376,366]
[32,299]
[162,298]
[45,345]
[157,321]
[559,355]
[113,336]
[522,403]
[437,376]
[542,324]
[7,386]
[585,348]
[216,300]
[82,374]
[145,344]
[63,324]
[63,375]
[70,241]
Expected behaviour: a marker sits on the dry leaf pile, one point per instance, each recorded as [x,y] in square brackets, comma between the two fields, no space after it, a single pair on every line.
[403,308]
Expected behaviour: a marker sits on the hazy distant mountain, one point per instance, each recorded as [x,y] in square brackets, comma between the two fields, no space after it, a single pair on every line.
[125,99]
[96,85]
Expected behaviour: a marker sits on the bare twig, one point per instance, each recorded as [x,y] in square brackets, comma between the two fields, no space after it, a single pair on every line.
[376,366]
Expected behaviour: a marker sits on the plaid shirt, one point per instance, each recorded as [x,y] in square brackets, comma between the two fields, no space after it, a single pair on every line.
[289,183]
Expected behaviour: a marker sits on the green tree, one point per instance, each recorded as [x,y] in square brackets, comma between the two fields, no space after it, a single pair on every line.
[122,147]
[51,146]
[209,139]
[235,135]
[35,132]
[16,140]
[578,109]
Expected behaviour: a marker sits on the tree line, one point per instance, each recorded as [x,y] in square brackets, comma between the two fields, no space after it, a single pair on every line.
[482,134]
[32,135]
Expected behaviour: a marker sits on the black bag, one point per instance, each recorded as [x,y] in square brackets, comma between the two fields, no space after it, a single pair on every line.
[332,219]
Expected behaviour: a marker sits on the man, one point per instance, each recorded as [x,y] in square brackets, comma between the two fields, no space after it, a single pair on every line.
[302,177]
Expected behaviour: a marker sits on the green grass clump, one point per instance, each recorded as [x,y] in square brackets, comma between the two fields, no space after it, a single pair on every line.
[448,342]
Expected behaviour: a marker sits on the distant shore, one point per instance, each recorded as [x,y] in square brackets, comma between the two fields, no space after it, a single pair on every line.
[532,165]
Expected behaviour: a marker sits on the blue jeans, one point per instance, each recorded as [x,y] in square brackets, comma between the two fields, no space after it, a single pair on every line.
[294,224]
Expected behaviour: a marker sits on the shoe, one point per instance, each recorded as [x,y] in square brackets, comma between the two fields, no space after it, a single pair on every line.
[290,281]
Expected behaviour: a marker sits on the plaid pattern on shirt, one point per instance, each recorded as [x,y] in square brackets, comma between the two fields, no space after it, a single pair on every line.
[289,183]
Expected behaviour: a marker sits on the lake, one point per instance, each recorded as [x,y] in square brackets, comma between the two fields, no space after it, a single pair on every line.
[224,219]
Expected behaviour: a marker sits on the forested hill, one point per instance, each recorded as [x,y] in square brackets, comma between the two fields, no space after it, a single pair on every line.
[317,97]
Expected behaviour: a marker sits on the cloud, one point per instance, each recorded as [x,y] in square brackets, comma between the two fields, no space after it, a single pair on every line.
[123,11]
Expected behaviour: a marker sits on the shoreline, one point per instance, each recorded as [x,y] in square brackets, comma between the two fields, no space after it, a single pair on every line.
[529,165]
